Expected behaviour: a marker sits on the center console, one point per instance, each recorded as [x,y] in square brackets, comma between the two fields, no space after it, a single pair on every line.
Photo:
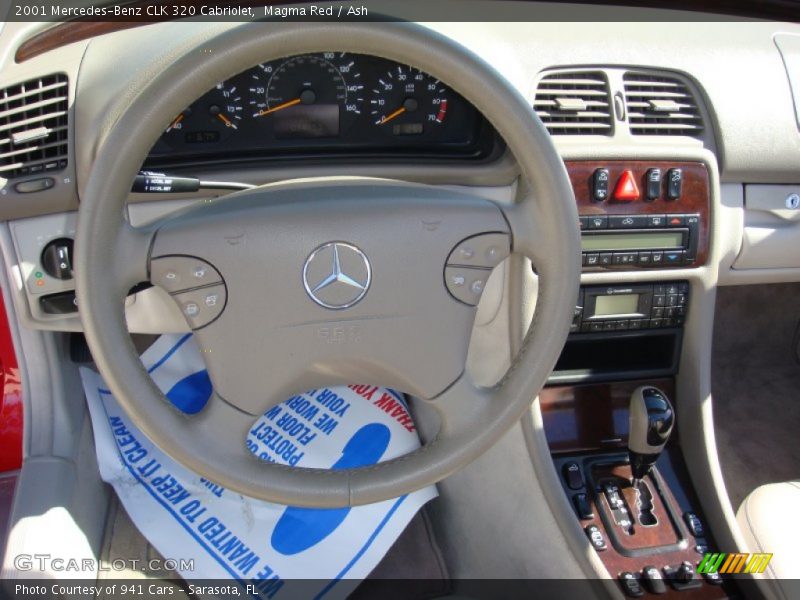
[648,217]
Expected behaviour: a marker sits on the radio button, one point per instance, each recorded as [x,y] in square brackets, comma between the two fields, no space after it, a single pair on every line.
[656,220]
[597,222]
[627,221]
[606,258]
[600,185]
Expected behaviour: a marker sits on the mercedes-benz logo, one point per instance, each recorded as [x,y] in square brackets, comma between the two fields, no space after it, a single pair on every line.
[336,275]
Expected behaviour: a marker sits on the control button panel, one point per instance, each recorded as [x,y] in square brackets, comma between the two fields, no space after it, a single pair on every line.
[663,240]
[195,285]
[633,207]
[470,264]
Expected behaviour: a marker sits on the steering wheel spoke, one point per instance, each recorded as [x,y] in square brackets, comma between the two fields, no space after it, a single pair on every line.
[460,405]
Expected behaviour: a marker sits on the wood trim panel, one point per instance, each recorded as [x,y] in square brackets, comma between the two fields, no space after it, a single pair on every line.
[586,417]
[695,196]
[658,535]
[63,34]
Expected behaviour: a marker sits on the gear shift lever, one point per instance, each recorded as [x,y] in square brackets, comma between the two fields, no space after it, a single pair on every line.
[650,424]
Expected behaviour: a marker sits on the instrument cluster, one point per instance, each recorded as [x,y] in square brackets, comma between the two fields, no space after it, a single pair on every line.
[330,103]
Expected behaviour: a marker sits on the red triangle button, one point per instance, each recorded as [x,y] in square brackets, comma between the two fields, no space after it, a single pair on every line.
[626,189]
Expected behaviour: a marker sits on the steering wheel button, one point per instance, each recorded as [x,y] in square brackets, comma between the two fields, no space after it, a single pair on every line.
[211,299]
[179,273]
[466,284]
[203,305]
[485,250]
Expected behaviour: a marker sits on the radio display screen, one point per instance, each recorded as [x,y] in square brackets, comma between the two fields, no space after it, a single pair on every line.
[622,304]
[632,241]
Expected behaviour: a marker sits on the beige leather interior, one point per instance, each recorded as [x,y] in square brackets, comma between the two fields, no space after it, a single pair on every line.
[768,521]
[744,76]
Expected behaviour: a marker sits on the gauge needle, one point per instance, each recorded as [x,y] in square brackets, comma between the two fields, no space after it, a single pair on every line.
[227,121]
[395,114]
[294,102]
[174,123]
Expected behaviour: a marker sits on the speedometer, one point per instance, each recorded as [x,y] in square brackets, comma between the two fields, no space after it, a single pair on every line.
[308,96]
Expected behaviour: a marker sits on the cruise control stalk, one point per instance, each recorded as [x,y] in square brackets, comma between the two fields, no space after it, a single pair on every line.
[149,182]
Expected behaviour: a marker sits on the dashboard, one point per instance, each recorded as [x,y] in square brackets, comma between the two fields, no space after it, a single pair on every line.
[328,103]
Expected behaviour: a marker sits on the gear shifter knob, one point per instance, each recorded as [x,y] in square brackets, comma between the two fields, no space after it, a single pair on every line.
[650,424]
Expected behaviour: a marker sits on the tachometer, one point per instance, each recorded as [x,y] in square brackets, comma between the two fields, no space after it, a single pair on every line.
[308,96]
[210,119]
[408,101]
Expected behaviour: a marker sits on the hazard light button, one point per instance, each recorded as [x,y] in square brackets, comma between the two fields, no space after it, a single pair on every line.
[626,189]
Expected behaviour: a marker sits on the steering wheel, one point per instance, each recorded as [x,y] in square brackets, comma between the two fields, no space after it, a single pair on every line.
[401,262]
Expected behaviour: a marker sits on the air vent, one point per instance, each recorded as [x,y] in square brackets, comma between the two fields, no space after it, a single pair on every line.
[574,103]
[660,105]
[33,126]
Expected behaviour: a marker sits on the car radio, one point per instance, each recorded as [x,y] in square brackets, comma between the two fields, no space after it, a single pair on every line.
[639,240]
[603,308]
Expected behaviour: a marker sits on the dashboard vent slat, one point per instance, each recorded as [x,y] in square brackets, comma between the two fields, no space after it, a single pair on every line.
[33,126]
[574,103]
[660,104]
